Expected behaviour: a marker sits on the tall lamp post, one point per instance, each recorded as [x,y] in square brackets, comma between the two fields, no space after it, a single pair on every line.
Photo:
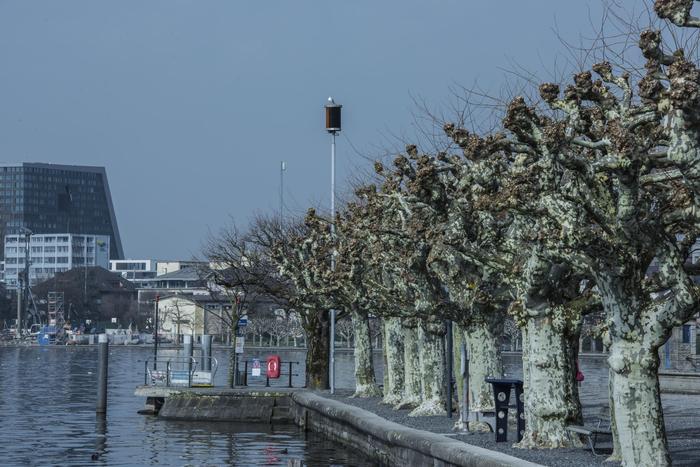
[332,127]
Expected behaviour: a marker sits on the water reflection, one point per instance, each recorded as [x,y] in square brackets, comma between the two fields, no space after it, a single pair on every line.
[100,437]
[48,396]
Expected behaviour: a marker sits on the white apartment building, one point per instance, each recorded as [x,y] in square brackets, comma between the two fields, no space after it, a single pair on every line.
[53,253]
[135,270]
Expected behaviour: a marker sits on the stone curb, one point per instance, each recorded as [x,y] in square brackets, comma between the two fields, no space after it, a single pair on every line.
[439,447]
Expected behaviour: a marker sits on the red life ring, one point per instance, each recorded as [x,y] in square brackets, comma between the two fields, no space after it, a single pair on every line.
[273,366]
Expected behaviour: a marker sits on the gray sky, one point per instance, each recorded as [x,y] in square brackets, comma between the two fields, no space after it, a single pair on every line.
[191,105]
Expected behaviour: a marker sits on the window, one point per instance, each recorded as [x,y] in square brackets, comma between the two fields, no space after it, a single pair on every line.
[62,260]
[686,333]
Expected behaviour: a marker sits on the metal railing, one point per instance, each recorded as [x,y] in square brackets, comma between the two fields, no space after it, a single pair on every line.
[243,377]
[180,371]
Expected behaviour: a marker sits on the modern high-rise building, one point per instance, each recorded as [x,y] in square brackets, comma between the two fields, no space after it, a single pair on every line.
[52,198]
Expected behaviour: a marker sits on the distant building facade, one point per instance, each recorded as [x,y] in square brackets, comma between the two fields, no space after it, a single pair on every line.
[52,199]
[168,266]
[137,271]
[53,253]
[193,315]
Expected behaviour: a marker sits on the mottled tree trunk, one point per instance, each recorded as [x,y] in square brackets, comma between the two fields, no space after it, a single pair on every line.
[365,384]
[432,369]
[636,333]
[549,377]
[485,361]
[615,456]
[412,393]
[394,369]
[317,350]
[457,341]
[637,404]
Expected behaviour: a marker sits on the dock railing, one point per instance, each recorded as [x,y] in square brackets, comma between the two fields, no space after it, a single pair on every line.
[180,371]
[286,374]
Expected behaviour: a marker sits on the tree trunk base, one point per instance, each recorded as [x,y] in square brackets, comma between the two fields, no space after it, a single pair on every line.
[391,399]
[407,403]
[367,390]
[429,408]
[551,441]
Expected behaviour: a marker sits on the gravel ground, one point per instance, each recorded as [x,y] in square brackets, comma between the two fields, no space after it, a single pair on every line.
[683,432]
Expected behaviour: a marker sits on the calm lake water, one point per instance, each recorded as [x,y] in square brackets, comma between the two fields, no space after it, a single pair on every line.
[47,409]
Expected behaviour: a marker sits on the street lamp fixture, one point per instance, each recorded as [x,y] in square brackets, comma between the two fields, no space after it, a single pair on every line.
[333,126]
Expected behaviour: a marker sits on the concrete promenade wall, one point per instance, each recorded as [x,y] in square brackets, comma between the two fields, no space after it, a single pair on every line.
[387,442]
[679,382]
[272,407]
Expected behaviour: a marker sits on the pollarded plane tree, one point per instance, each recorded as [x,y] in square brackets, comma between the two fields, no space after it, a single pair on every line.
[303,256]
[473,256]
[439,201]
[547,299]
[434,217]
[616,176]
[357,244]
[350,295]
[398,279]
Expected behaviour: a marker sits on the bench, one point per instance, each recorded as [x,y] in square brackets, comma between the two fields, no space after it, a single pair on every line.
[591,432]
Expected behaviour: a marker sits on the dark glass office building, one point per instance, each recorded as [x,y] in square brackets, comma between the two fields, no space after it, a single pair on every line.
[51,198]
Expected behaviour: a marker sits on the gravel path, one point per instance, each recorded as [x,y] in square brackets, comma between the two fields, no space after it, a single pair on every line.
[680,410]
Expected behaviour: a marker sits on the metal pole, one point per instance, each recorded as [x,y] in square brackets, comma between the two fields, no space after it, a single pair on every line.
[25,297]
[155,336]
[102,361]
[332,345]
[187,351]
[85,269]
[448,367]
[465,386]
[206,353]
[283,167]
[19,311]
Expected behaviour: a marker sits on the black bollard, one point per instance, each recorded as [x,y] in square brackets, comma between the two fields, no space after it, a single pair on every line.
[102,367]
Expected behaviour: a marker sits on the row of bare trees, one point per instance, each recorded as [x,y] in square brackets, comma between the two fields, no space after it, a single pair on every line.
[586,201]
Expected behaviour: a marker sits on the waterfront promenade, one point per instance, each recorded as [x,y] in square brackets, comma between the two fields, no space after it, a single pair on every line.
[679,411]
